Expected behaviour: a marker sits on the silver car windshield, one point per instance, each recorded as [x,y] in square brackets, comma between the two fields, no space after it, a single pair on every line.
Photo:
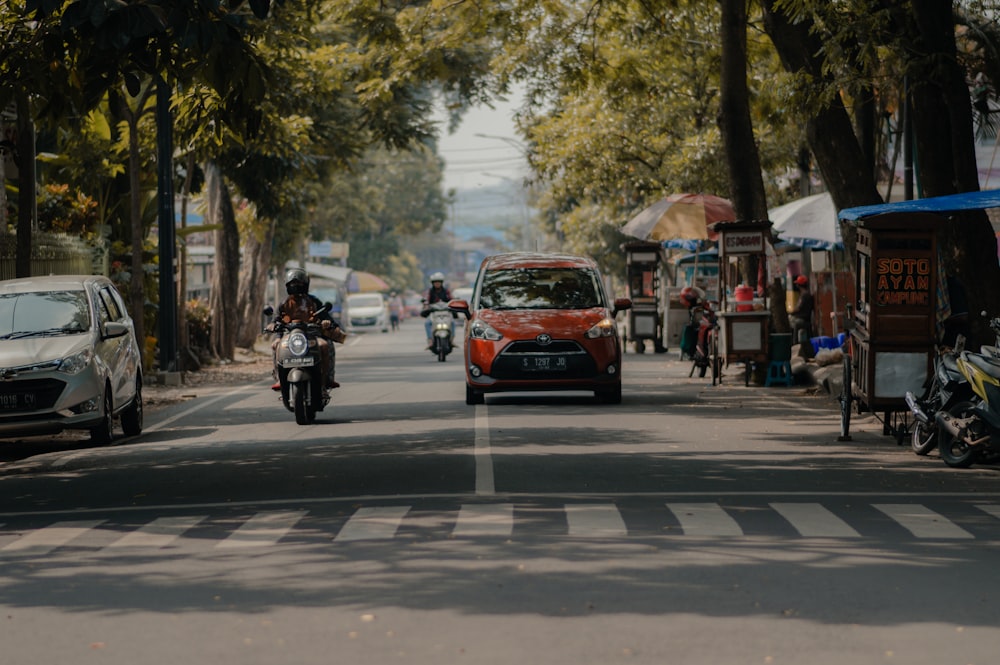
[540,288]
[46,313]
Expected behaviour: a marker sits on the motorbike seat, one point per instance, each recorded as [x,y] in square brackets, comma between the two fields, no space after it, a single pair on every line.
[987,364]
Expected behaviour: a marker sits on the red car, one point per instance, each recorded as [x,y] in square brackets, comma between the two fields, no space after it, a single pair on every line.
[541,322]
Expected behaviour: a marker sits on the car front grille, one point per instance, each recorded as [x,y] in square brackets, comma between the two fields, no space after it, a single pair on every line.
[29,395]
[510,364]
[365,321]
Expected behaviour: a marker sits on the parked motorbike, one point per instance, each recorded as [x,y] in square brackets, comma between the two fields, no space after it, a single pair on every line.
[703,339]
[946,387]
[442,322]
[298,366]
[970,430]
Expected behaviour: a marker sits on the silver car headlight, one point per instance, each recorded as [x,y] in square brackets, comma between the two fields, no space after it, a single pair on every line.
[603,328]
[77,362]
[298,343]
[480,330]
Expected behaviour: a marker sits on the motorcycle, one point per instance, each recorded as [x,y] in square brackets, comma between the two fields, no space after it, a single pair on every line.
[298,366]
[442,319]
[970,430]
[946,388]
[703,325]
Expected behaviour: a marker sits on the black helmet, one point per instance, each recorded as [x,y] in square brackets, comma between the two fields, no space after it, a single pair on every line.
[296,282]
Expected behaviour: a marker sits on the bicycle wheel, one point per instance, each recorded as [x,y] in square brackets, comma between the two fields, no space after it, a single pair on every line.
[845,399]
[714,358]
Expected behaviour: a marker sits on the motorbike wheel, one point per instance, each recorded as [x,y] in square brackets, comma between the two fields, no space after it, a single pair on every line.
[702,367]
[297,396]
[956,453]
[442,352]
[924,438]
[713,349]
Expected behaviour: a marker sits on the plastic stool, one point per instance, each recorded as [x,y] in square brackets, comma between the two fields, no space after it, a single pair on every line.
[779,372]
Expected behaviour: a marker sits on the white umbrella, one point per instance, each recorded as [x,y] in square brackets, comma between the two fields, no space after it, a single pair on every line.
[809,222]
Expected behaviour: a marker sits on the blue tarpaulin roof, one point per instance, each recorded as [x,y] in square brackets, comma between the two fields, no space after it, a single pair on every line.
[939,204]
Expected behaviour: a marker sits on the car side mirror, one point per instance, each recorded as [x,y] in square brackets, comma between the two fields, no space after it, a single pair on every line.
[621,304]
[113,329]
[460,307]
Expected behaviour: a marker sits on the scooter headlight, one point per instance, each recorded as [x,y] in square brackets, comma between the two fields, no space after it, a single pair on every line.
[298,343]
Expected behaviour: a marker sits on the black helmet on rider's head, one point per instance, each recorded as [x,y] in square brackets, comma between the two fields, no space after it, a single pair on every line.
[296,282]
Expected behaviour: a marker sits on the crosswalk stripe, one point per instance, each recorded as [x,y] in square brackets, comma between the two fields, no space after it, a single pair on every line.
[158,533]
[485,519]
[921,521]
[992,509]
[595,519]
[262,529]
[812,520]
[704,519]
[48,538]
[373,523]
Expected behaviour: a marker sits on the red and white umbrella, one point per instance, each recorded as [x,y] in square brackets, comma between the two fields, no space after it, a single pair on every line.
[681,217]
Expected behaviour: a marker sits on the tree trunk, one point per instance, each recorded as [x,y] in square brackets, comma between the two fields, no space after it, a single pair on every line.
[26,187]
[253,284]
[746,184]
[841,160]
[223,303]
[945,145]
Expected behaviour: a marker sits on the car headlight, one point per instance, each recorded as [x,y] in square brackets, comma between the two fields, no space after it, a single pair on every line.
[480,330]
[603,328]
[298,344]
[77,362]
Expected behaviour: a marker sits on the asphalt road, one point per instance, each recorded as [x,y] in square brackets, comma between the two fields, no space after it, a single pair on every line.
[691,524]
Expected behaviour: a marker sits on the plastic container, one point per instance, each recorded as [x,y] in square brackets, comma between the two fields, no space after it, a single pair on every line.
[743,295]
[824,343]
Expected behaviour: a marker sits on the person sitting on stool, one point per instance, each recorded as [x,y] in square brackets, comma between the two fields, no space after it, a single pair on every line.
[801,317]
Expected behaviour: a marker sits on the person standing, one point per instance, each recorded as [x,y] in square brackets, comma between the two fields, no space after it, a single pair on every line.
[801,317]
[395,310]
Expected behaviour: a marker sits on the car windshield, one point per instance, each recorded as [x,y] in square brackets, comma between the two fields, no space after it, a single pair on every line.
[540,288]
[365,301]
[47,313]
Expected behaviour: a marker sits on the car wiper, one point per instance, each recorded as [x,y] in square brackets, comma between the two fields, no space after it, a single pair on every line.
[48,332]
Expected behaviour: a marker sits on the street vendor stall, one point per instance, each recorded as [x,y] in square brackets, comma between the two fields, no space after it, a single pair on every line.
[892,325]
[743,315]
[644,288]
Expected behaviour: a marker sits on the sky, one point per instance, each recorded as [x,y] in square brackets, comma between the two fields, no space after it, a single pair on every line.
[485,149]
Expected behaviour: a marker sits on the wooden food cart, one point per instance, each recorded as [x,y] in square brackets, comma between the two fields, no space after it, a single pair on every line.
[893,320]
[645,319]
[745,321]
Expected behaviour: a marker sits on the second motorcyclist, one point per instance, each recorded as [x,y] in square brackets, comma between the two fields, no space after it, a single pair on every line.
[437,293]
[300,305]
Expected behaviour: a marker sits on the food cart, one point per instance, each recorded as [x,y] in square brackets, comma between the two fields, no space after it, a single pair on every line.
[744,320]
[645,319]
[892,324]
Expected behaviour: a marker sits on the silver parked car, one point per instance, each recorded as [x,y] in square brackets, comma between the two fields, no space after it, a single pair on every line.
[68,358]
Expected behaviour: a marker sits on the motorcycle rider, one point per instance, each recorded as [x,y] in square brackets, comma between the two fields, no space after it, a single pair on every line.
[437,293]
[302,306]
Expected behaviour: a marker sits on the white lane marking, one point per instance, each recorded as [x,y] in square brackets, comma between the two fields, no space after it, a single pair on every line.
[990,508]
[484,457]
[373,523]
[595,519]
[704,519]
[48,538]
[921,521]
[159,533]
[485,519]
[262,529]
[814,520]
[197,407]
